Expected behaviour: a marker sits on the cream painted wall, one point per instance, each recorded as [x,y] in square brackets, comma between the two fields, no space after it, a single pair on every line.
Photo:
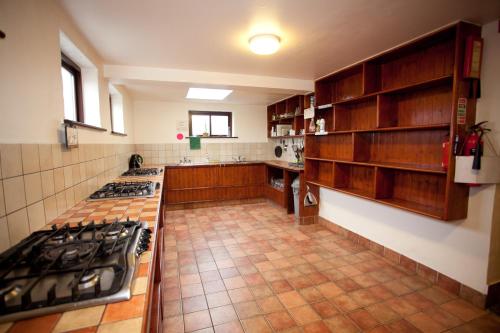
[459,249]
[156,121]
[31,104]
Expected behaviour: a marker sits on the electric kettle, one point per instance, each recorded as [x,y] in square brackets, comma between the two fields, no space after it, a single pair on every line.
[135,161]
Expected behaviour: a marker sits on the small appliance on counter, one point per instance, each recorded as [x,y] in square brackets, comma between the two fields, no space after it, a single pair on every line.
[135,161]
[142,172]
[71,267]
[125,190]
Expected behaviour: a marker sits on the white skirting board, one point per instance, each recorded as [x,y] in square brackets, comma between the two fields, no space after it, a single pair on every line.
[488,174]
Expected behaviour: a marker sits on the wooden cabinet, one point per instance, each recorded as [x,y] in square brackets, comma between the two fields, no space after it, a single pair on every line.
[284,113]
[213,183]
[387,118]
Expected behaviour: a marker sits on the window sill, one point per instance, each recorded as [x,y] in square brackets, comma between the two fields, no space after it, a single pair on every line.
[118,133]
[79,124]
[213,137]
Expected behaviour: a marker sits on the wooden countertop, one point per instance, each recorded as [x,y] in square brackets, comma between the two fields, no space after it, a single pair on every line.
[128,316]
[284,165]
[274,163]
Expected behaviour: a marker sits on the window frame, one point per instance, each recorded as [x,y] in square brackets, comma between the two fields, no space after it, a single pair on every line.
[111,117]
[229,114]
[75,70]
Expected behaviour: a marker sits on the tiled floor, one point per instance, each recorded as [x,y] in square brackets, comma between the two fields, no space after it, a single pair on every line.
[248,268]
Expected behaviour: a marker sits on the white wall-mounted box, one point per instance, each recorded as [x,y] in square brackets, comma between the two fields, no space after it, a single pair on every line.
[488,174]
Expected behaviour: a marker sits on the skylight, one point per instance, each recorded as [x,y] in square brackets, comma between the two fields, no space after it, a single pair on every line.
[206,93]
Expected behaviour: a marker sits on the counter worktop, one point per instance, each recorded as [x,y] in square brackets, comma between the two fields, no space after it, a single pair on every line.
[275,163]
[128,316]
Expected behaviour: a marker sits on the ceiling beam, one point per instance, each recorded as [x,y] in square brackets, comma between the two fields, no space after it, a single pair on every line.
[117,73]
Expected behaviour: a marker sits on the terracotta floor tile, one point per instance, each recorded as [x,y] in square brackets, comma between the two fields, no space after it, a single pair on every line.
[383,313]
[272,275]
[247,269]
[231,327]
[240,295]
[402,326]
[437,295]
[363,319]
[229,272]
[345,302]
[443,317]
[254,279]
[418,301]
[317,327]
[304,314]
[234,282]
[210,276]
[197,320]
[311,294]
[269,304]
[256,325]
[397,287]
[247,309]
[325,309]
[124,310]
[172,308]
[44,324]
[261,291]
[280,320]
[364,297]
[401,307]
[462,309]
[348,284]
[329,290]
[194,304]
[291,299]
[170,294]
[485,324]
[218,299]
[425,323]
[215,286]
[281,286]
[173,324]
[191,290]
[223,314]
[341,324]
[301,282]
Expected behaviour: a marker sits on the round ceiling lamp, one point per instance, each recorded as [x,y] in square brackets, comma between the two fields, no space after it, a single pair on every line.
[264,44]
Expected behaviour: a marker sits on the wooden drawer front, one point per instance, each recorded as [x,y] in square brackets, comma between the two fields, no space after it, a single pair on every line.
[240,175]
[179,178]
[194,195]
[241,192]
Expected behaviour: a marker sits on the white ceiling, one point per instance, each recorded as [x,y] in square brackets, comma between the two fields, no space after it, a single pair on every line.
[176,91]
[318,36]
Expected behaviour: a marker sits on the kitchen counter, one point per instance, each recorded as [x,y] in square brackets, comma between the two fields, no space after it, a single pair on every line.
[274,163]
[129,316]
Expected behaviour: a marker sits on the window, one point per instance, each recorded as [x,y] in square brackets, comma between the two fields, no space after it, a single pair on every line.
[116,108]
[72,89]
[210,123]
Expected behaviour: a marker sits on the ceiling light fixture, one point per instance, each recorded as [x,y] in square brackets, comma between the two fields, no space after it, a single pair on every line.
[264,44]
[207,93]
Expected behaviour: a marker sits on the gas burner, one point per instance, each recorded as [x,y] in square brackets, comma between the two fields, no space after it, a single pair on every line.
[10,292]
[60,238]
[125,189]
[88,280]
[142,172]
[69,253]
[116,233]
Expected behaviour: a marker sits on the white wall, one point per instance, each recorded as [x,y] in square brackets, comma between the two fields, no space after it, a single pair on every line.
[156,121]
[459,249]
[31,104]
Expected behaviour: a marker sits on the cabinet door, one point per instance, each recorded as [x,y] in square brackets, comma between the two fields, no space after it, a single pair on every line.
[242,175]
[192,177]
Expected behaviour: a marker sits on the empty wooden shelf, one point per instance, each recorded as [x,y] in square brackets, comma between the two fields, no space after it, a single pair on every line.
[387,118]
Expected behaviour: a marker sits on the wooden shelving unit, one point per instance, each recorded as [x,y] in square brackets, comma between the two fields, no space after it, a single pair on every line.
[387,118]
[287,106]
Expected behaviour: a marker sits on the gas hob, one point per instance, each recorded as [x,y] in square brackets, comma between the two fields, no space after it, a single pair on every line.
[118,190]
[138,172]
[70,267]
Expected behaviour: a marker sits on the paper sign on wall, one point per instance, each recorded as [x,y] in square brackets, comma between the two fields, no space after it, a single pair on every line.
[181,126]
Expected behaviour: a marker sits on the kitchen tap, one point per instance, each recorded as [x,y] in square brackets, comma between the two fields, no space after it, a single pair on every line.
[239,158]
[185,160]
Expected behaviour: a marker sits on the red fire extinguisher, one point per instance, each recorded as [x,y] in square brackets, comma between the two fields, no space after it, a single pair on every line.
[473,145]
